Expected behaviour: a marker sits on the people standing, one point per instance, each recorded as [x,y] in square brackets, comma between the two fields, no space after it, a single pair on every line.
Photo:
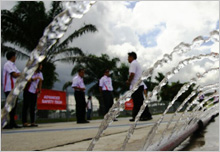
[106,88]
[89,108]
[10,73]
[31,92]
[146,115]
[135,72]
[79,93]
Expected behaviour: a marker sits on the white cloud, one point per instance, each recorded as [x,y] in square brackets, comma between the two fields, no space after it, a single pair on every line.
[119,29]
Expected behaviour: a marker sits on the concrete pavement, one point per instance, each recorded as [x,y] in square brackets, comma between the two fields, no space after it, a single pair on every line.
[69,136]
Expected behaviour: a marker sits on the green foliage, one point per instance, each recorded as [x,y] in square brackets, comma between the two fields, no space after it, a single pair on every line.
[49,74]
[168,91]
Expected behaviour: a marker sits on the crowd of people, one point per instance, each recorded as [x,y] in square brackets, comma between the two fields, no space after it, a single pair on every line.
[34,85]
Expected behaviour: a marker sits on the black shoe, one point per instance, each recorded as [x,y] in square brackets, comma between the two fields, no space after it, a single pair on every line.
[115,120]
[16,126]
[146,119]
[8,127]
[83,122]
[34,125]
[26,125]
[131,119]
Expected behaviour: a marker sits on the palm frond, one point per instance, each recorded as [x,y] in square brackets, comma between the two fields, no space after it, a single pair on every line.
[77,33]
[66,85]
[63,53]
[69,52]
[56,8]
[70,59]
[19,54]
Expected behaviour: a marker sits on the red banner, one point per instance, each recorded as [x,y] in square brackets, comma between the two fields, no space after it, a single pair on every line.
[129,105]
[51,100]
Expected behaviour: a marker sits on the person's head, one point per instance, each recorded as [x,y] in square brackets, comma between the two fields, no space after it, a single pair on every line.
[89,97]
[11,56]
[132,56]
[81,72]
[106,72]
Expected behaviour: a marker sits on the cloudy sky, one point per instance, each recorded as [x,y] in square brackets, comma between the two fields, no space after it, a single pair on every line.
[150,28]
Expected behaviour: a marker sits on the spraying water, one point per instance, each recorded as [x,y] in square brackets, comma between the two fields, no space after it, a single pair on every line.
[115,110]
[156,89]
[183,89]
[204,91]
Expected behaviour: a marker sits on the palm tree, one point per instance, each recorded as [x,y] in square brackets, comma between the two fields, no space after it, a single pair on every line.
[94,69]
[24,25]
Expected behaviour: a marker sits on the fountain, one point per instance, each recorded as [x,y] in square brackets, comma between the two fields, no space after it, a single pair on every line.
[58,28]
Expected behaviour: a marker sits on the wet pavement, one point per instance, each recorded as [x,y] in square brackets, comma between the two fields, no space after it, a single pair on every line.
[206,140]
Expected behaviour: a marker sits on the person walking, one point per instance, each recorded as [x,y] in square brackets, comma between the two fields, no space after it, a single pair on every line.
[89,108]
[10,73]
[31,92]
[135,72]
[79,93]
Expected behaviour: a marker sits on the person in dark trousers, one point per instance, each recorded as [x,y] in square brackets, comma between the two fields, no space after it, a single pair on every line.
[135,72]
[146,115]
[106,89]
[79,94]
[31,92]
[89,108]
[10,73]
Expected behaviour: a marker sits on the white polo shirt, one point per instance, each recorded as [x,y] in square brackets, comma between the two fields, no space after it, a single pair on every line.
[8,80]
[136,69]
[34,84]
[106,83]
[78,82]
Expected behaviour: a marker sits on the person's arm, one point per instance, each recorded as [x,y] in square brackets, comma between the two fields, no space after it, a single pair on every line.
[131,77]
[78,88]
[15,75]
[100,90]
[33,79]
[145,92]
[40,86]
[100,85]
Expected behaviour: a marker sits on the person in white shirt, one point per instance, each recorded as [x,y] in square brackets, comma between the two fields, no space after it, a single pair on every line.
[10,74]
[89,108]
[135,72]
[106,88]
[31,92]
[79,93]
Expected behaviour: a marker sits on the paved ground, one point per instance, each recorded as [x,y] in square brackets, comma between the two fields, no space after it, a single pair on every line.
[70,136]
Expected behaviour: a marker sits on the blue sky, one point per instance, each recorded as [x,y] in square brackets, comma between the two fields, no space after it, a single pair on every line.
[149,39]
[131,4]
